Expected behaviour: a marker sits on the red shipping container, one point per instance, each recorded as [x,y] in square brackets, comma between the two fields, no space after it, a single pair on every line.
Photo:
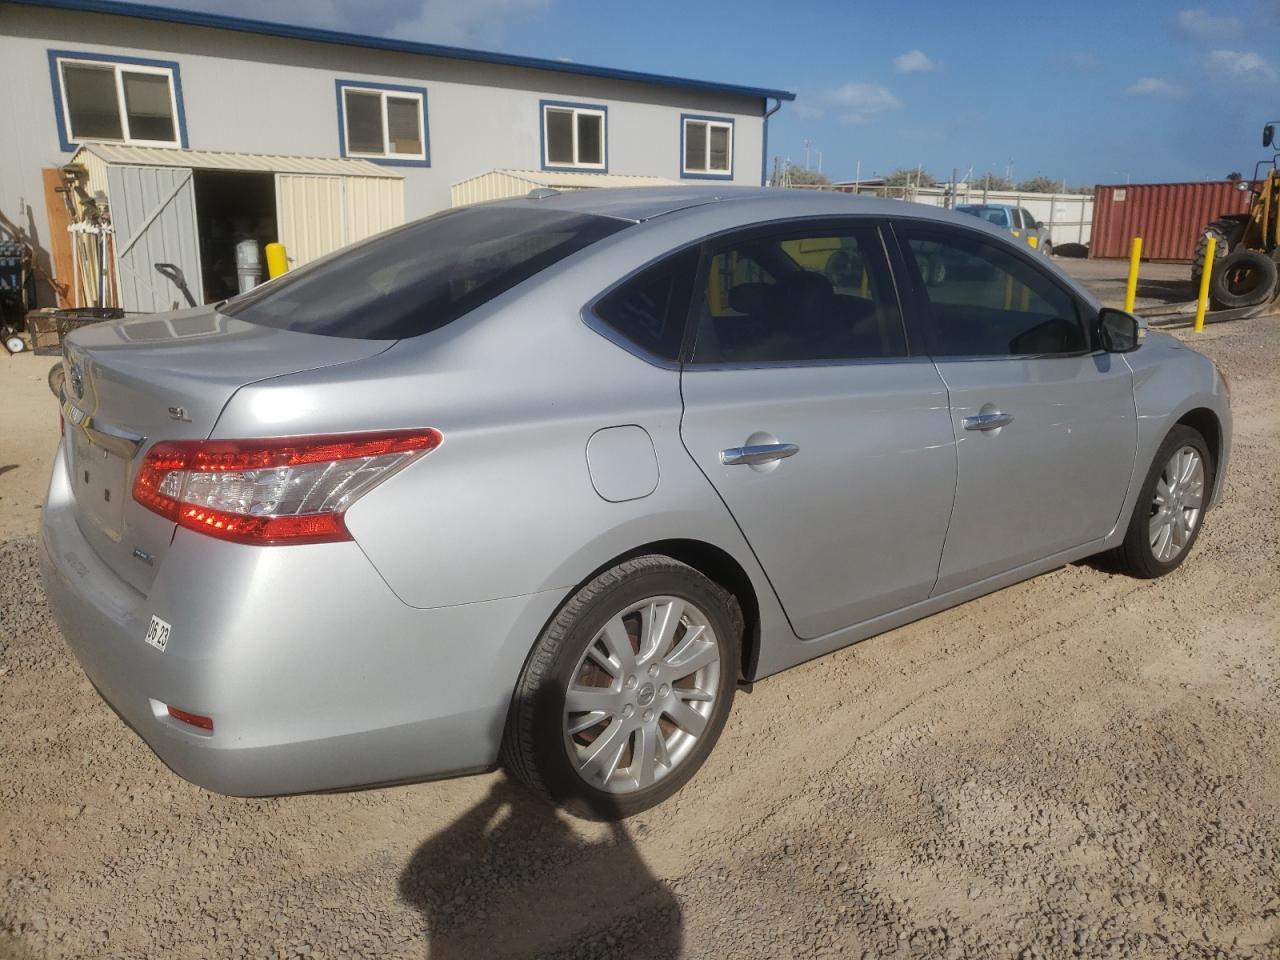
[1169,217]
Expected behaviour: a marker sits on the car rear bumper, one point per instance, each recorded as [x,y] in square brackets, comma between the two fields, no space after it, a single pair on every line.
[315,674]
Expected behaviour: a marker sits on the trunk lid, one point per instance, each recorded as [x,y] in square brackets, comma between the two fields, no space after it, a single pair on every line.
[131,383]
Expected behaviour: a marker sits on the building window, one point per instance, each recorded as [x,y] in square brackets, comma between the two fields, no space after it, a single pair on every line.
[120,99]
[573,136]
[706,148]
[383,123]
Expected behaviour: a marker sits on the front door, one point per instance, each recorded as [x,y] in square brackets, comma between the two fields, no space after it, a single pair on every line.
[830,445]
[1044,425]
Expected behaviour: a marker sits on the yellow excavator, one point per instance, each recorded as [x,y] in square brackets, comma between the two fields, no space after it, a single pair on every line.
[1246,248]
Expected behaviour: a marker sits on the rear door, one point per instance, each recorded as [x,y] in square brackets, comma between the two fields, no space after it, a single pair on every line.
[1044,424]
[830,444]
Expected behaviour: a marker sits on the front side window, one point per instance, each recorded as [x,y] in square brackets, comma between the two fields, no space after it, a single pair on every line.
[797,297]
[383,122]
[708,147]
[1028,220]
[986,301]
[422,276]
[125,101]
[573,135]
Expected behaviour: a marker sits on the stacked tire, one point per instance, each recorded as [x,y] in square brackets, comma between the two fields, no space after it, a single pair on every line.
[1240,278]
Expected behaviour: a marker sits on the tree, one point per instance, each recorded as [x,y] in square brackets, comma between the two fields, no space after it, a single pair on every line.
[800,177]
[1235,176]
[910,177]
[1084,191]
[1040,184]
[990,181]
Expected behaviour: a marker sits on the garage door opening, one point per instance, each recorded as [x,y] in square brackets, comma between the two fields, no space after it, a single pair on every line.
[231,207]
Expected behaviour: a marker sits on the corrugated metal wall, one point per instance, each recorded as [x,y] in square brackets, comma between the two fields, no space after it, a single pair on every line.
[317,215]
[153,210]
[1168,216]
[310,216]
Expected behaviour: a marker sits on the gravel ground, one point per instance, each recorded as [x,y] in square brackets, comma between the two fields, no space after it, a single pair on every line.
[1082,765]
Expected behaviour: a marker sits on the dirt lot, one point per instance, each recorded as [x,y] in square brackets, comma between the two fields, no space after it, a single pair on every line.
[1081,765]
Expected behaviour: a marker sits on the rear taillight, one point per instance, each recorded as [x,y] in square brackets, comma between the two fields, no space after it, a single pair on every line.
[282,490]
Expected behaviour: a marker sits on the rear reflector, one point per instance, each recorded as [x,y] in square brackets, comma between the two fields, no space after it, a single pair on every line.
[204,723]
[284,490]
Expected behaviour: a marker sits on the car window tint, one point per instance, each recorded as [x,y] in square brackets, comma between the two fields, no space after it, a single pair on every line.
[651,308]
[987,301]
[792,297]
[419,277]
[1028,220]
[1016,217]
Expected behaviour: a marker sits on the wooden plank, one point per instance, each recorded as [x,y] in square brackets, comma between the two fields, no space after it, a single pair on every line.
[59,240]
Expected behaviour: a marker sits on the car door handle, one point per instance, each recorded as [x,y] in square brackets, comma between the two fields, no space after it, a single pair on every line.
[760,453]
[988,421]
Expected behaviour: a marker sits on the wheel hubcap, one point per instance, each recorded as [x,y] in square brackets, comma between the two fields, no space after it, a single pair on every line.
[1177,504]
[642,694]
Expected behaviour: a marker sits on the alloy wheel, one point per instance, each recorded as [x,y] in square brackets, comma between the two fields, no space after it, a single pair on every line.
[643,692]
[1177,504]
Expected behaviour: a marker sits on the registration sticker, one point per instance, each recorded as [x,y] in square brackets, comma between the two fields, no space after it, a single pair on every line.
[158,634]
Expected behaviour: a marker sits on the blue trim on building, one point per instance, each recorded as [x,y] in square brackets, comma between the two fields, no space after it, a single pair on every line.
[542,136]
[55,79]
[340,85]
[733,147]
[295,32]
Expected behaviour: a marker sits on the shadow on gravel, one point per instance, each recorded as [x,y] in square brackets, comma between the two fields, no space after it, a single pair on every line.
[510,878]
[1165,291]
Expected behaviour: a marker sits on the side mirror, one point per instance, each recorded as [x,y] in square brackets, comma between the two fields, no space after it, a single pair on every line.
[1118,331]
[1268,134]
[1039,224]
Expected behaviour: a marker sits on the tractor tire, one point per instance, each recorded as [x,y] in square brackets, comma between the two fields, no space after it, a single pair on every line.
[1242,279]
[1227,230]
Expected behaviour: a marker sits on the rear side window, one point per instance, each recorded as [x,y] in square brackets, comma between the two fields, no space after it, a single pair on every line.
[651,308]
[985,301]
[418,278]
[797,297]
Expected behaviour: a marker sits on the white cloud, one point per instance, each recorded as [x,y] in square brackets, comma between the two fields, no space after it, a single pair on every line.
[1153,87]
[807,110]
[453,22]
[859,102]
[1201,23]
[915,61]
[1241,65]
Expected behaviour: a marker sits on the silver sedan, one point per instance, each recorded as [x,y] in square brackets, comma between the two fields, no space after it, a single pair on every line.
[541,482]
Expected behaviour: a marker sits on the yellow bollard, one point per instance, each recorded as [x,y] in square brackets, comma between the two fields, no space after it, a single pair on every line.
[277,261]
[1131,291]
[1202,301]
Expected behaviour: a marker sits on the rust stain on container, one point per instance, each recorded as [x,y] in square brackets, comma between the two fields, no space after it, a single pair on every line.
[1167,216]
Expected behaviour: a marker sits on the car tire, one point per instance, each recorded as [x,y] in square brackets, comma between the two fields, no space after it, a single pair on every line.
[1144,552]
[546,745]
[1242,279]
[1047,247]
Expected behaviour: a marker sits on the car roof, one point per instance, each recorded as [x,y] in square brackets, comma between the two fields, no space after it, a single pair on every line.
[639,204]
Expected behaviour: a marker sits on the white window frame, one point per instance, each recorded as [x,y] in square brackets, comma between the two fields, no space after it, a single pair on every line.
[575,111]
[684,153]
[387,153]
[120,68]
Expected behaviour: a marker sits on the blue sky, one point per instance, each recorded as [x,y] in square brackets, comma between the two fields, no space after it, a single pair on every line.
[1093,92]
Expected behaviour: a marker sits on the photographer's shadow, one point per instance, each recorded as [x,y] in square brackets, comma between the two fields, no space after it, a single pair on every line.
[510,878]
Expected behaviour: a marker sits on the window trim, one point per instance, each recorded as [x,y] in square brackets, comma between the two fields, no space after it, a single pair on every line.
[685,172]
[917,303]
[595,109]
[387,159]
[62,111]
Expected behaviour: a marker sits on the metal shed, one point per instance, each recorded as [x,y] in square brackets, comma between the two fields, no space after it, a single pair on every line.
[499,184]
[318,205]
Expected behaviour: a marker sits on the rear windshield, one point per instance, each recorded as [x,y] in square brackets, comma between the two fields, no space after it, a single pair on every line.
[419,277]
[997,215]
